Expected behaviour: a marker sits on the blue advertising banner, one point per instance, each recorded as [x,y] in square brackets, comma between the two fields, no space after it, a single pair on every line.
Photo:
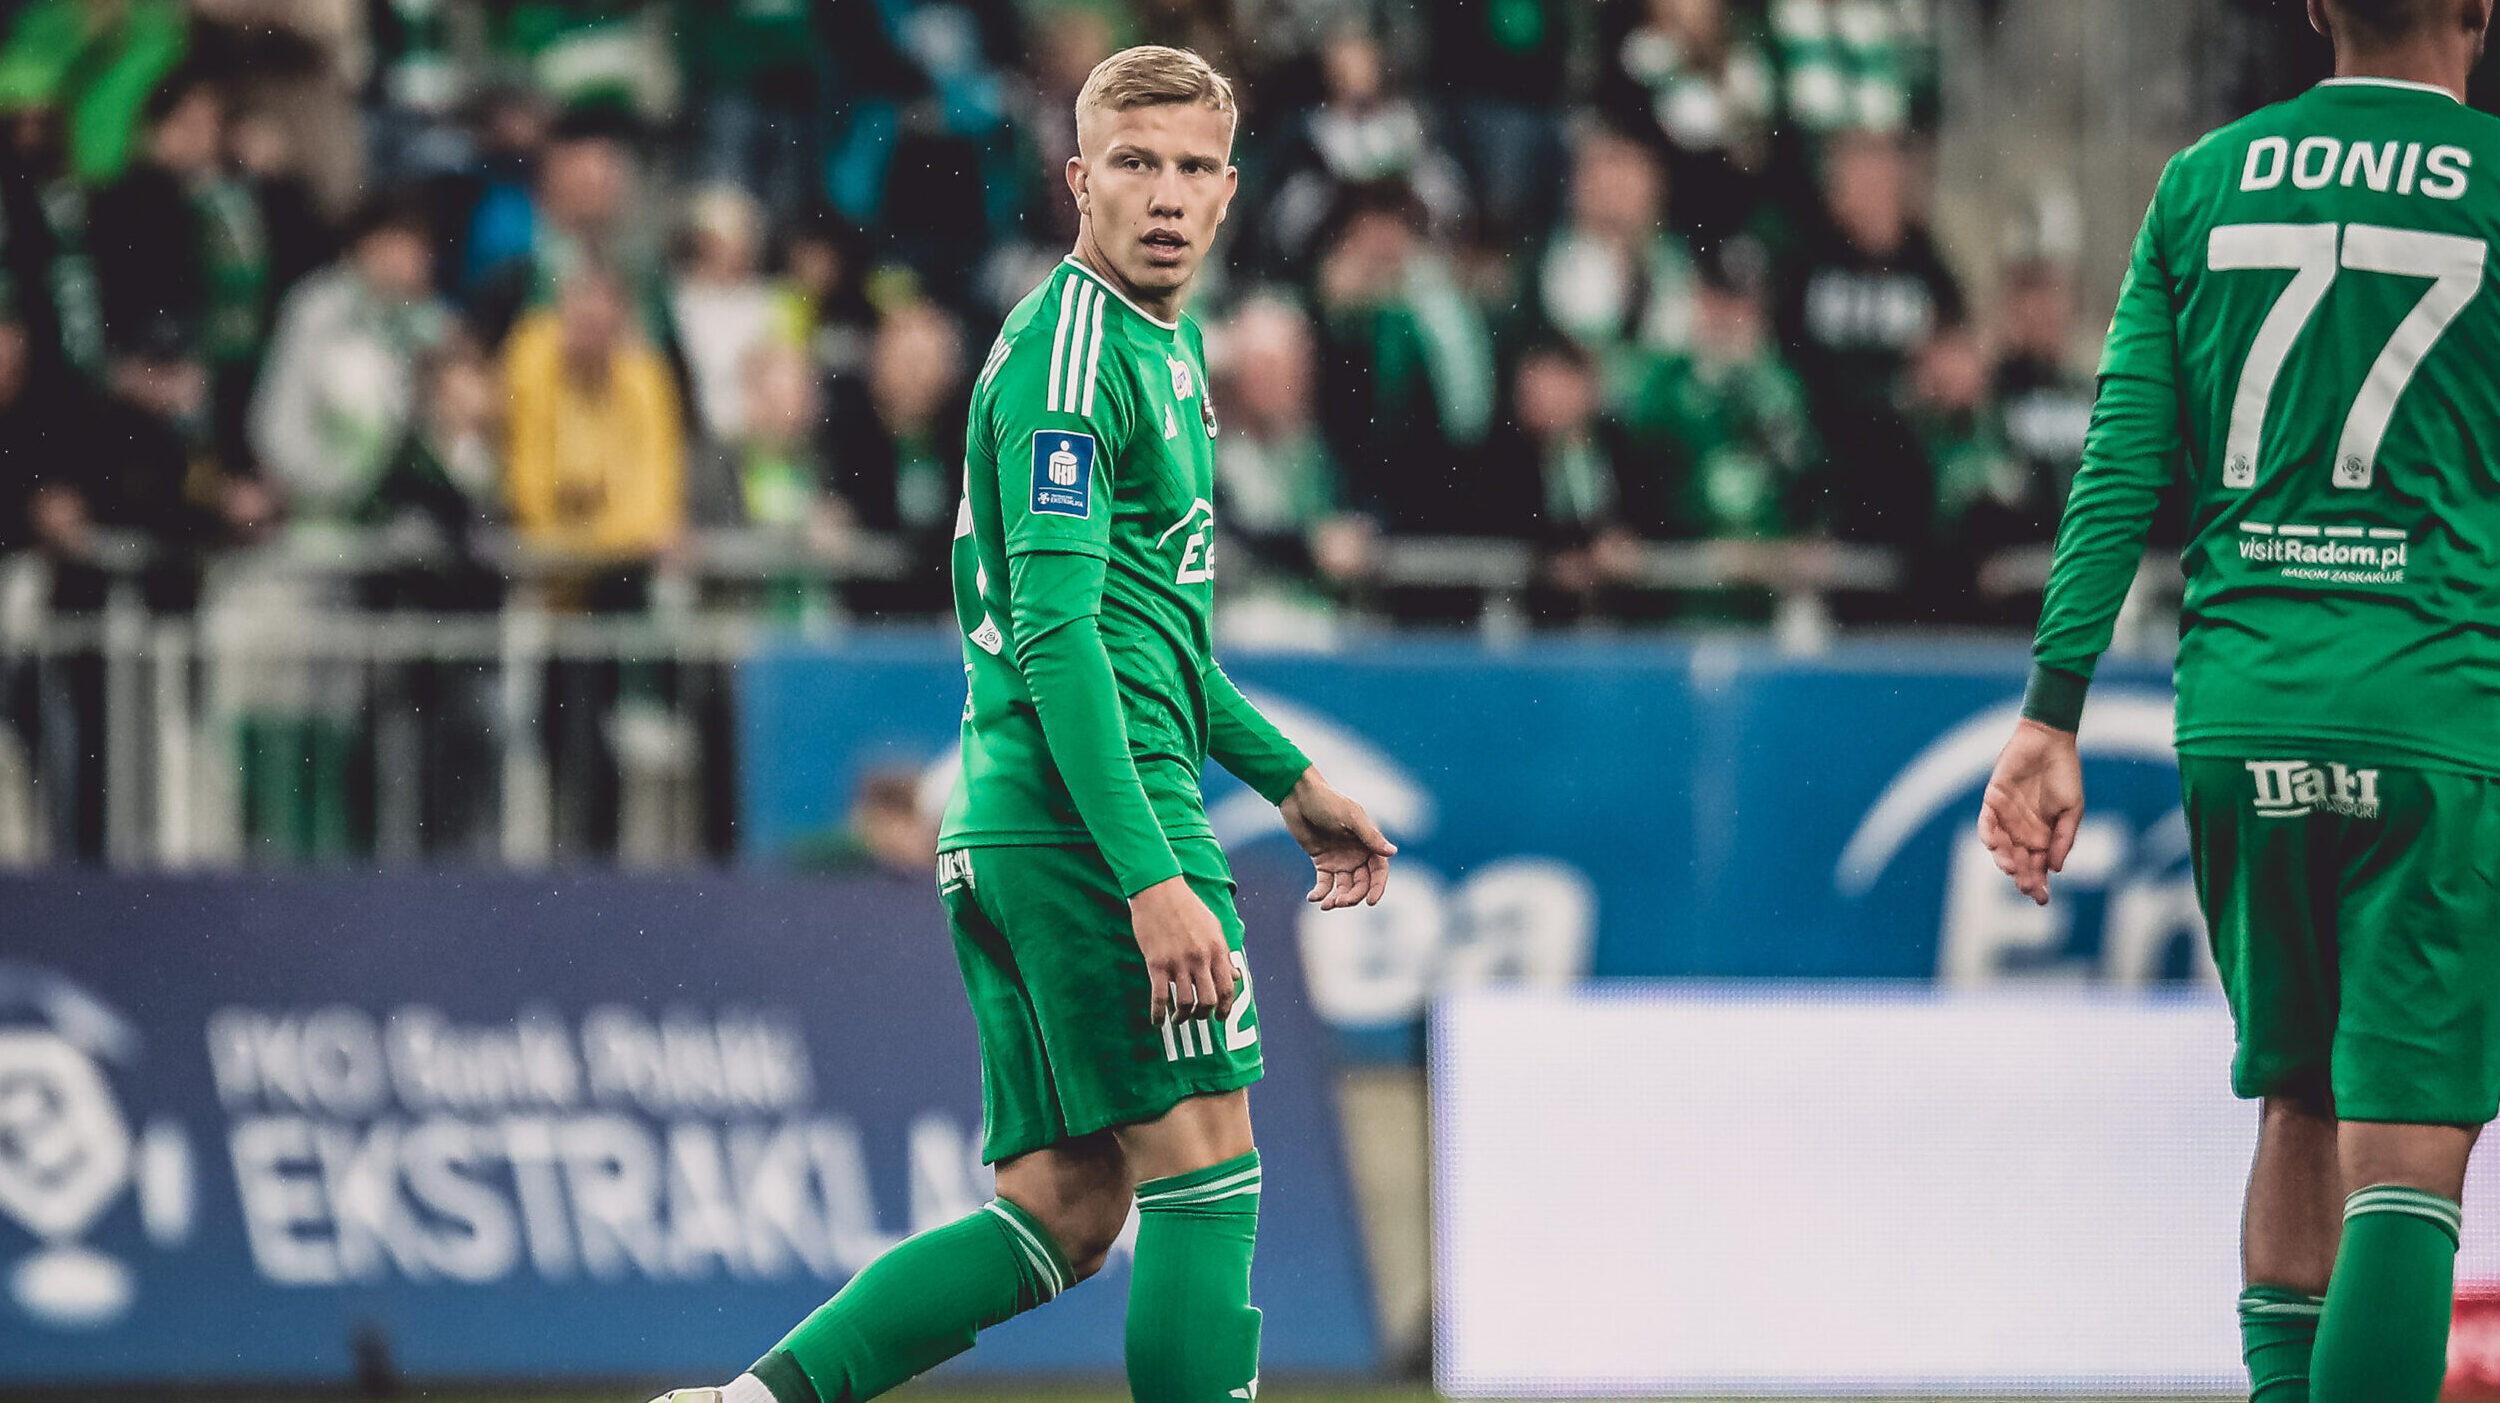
[531,1127]
[1565,808]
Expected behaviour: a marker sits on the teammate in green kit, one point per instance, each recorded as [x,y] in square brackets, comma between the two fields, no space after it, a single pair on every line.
[2305,344]
[1092,910]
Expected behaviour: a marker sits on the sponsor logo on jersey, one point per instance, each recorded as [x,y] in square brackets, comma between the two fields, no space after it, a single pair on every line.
[954,870]
[2297,788]
[1063,473]
[1183,383]
[2356,555]
[1197,565]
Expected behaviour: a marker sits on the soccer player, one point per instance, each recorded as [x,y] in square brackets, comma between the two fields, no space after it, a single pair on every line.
[2305,348]
[1092,910]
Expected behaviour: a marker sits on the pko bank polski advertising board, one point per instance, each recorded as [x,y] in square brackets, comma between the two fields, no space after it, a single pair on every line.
[1654,808]
[1683,1188]
[513,1127]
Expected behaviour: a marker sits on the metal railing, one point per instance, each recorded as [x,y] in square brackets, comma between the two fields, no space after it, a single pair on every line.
[281,721]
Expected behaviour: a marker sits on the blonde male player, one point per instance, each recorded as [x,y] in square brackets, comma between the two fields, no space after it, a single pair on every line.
[1092,910]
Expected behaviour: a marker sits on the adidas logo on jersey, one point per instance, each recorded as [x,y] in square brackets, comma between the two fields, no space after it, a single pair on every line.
[2296,788]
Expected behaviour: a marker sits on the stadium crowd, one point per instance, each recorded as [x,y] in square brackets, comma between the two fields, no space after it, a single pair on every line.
[438,285]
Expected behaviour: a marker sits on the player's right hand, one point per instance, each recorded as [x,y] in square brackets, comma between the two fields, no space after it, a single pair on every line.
[1187,962]
[2033,805]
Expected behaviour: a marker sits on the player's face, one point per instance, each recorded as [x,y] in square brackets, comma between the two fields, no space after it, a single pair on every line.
[1152,184]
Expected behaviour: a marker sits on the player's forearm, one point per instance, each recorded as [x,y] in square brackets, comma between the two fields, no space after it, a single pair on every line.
[1245,742]
[1055,602]
[2127,459]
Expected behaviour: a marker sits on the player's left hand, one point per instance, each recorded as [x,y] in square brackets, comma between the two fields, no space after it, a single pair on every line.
[2033,805]
[1349,854]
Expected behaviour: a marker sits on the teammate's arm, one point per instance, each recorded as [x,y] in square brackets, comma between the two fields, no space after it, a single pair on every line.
[1349,854]
[2034,800]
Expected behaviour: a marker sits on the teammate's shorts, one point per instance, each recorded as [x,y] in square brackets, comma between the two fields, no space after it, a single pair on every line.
[1059,992]
[2356,922]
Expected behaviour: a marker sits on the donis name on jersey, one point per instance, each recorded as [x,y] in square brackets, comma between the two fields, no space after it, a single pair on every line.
[2405,168]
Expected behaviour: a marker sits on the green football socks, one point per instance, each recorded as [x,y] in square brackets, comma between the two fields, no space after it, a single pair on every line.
[2278,1330]
[2384,1335]
[916,1307]
[1193,1336]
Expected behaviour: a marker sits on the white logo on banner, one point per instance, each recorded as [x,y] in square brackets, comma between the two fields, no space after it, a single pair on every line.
[67,1153]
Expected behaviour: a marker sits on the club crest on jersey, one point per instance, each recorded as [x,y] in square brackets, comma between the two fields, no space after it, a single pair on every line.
[1063,473]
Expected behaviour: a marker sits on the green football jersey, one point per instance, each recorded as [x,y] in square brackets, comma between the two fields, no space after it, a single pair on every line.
[1091,432]
[2305,347]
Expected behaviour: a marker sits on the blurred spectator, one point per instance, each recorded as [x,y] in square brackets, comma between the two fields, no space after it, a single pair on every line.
[486,211]
[898,465]
[97,62]
[339,392]
[1205,26]
[754,68]
[770,480]
[2046,404]
[180,238]
[1573,459]
[1855,64]
[1865,294]
[885,831]
[582,213]
[1360,133]
[44,249]
[1614,278]
[613,55]
[596,460]
[926,155]
[149,230]
[1408,379]
[1277,492]
[1685,75]
[1725,442]
[446,478]
[1502,68]
[300,236]
[722,308]
[1068,40]
[823,296]
[416,83]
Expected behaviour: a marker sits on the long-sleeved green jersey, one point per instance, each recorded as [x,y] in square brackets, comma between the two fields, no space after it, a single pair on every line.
[2308,336]
[1085,584]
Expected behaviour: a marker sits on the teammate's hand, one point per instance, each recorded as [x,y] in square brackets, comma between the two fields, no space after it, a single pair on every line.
[1186,958]
[2033,803]
[1349,856]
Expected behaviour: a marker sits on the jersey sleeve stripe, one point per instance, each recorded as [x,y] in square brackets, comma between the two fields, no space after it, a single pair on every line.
[1068,295]
[1093,353]
[1088,298]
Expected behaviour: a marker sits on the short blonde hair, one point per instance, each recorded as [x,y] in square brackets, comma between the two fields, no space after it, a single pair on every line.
[1153,75]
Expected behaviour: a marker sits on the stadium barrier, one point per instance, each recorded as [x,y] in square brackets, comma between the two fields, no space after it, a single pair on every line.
[507,1127]
[1664,1189]
[1678,807]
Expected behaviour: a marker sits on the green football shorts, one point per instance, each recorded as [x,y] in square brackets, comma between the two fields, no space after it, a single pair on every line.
[1059,993]
[2356,922]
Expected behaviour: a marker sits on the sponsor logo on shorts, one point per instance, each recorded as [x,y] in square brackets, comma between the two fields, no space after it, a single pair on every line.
[954,870]
[2296,788]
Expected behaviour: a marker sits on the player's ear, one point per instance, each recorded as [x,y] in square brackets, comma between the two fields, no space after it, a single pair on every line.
[2318,20]
[1232,187]
[1076,181]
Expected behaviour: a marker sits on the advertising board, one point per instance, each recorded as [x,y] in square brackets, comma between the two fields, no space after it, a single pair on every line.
[587,1127]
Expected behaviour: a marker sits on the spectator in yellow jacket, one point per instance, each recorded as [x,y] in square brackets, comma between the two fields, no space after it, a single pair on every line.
[597,466]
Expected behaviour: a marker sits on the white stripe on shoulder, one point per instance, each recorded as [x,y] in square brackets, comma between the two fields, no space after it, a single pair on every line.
[1068,295]
[1093,354]
[1088,305]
